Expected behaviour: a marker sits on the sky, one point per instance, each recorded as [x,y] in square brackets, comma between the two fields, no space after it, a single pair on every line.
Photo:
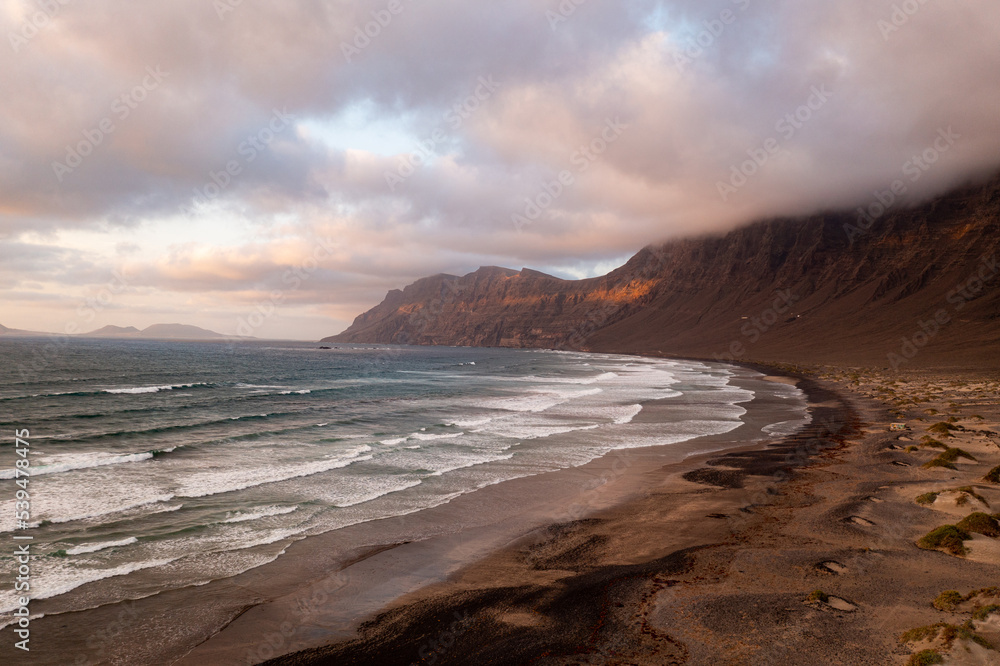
[272,169]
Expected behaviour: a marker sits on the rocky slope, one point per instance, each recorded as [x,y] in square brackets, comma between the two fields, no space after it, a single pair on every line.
[918,286]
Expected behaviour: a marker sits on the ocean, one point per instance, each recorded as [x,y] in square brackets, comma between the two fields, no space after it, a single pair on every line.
[158,465]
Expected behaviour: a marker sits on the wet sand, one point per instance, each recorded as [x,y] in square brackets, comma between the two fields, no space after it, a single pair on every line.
[321,589]
[803,553]
[641,557]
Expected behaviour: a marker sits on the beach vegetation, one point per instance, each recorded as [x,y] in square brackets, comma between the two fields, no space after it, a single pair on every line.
[993,476]
[948,600]
[980,523]
[927,498]
[984,612]
[932,443]
[819,595]
[946,633]
[948,538]
[925,658]
[984,592]
[942,429]
[969,490]
[938,462]
[943,630]
[953,454]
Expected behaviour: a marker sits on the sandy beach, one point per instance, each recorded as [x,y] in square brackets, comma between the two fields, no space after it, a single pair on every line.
[803,553]
[801,550]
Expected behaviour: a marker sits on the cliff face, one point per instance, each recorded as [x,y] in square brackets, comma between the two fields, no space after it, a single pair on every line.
[918,286]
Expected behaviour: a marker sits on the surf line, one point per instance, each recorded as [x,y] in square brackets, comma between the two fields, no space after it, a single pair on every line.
[22,554]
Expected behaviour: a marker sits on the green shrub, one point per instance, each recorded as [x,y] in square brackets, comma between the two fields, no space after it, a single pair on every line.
[946,632]
[942,429]
[969,490]
[994,475]
[927,498]
[980,523]
[930,442]
[819,595]
[948,600]
[984,612]
[948,538]
[953,454]
[984,592]
[938,462]
[925,658]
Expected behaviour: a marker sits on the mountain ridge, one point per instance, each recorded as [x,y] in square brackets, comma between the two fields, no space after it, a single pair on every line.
[155,331]
[857,290]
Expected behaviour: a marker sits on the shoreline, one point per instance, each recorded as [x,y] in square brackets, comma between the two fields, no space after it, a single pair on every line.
[173,626]
[775,527]
[622,475]
[710,558]
[696,495]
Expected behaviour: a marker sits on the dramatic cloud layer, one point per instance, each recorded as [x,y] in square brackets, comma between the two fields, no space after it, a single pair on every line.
[202,161]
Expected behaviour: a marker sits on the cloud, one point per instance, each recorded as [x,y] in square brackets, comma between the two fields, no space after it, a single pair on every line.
[722,111]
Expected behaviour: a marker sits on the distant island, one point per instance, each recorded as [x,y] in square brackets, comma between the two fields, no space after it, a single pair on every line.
[154,332]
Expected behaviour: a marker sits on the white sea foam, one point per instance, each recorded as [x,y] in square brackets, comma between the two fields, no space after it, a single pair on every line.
[152,389]
[377,489]
[94,547]
[67,462]
[263,512]
[62,579]
[471,423]
[427,437]
[629,413]
[521,430]
[103,508]
[786,428]
[539,401]
[225,480]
